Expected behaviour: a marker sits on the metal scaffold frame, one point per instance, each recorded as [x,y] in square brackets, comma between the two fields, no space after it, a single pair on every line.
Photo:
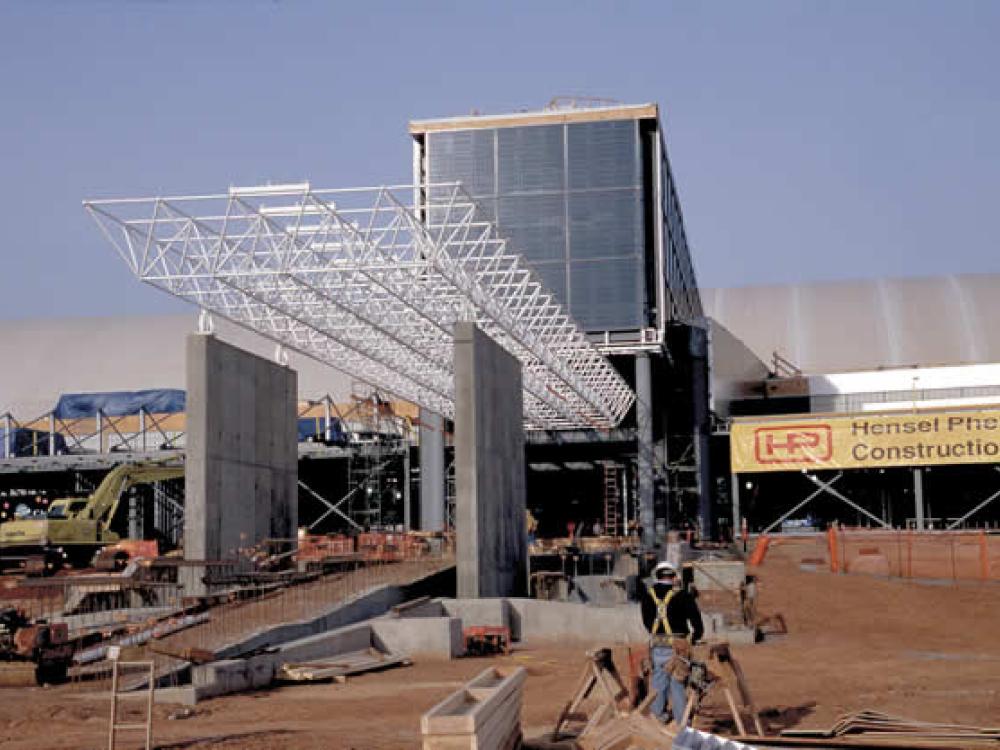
[363,280]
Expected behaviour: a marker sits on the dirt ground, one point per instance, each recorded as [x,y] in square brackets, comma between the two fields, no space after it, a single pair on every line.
[919,650]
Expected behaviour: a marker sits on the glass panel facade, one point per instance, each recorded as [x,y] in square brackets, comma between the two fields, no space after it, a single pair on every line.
[530,159]
[571,198]
[605,224]
[535,225]
[607,294]
[603,155]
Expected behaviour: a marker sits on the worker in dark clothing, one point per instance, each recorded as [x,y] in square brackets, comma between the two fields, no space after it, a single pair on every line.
[673,620]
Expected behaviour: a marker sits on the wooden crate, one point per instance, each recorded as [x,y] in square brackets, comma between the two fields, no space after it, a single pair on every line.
[484,714]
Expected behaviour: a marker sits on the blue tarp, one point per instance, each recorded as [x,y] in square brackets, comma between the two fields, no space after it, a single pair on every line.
[314,428]
[120,403]
[21,442]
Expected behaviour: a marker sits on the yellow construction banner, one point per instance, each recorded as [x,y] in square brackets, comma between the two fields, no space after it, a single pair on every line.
[865,441]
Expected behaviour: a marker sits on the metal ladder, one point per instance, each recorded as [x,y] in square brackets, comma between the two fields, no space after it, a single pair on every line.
[612,497]
[115,726]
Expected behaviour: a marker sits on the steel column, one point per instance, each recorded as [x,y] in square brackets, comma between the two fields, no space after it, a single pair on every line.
[918,497]
[644,424]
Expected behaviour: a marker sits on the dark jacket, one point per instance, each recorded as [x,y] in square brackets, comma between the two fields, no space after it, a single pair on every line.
[682,611]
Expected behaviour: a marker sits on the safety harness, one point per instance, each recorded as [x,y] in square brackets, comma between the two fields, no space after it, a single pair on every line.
[661,626]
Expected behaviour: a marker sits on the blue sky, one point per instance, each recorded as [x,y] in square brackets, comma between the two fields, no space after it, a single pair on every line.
[810,140]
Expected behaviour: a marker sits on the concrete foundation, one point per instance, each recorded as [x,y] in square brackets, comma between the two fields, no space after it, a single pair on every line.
[431,629]
[719,575]
[491,540]
[242,461]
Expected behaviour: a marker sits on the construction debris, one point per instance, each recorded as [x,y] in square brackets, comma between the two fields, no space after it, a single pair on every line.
[351,662]
[872,726]
[486,639]
[693,739]
[484,714]
[703,681]
[599,671]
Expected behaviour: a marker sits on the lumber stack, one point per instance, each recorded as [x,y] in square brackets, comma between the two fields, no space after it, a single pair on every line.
[484,714]
[609,730]
[874,728]
[341,666]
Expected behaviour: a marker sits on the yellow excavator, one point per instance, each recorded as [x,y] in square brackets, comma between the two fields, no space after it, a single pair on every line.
[75,528]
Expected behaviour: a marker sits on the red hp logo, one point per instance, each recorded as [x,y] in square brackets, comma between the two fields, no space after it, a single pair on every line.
[794,444]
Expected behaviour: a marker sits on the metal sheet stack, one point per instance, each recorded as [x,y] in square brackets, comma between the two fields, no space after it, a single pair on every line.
[878,729]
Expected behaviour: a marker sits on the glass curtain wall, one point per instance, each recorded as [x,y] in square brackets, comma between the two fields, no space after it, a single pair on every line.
[569,198]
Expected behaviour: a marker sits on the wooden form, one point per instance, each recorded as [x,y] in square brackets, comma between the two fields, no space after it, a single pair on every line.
[339,668]
[599,671]
[484,714]
[611,725]
[731,682]
[115,726]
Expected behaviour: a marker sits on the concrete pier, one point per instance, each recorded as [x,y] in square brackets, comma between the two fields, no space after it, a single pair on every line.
[242,460]
[491,540]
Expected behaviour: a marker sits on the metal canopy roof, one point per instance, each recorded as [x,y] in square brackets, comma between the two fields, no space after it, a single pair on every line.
[366,282]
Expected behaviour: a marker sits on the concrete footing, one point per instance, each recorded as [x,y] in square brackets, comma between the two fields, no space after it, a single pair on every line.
[432,629]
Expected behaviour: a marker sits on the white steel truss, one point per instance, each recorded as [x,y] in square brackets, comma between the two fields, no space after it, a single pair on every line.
[370,283]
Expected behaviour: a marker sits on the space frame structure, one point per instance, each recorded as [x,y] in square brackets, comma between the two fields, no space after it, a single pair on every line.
[371,282]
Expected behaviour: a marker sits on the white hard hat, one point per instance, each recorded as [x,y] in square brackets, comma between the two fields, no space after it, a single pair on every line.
[664,569]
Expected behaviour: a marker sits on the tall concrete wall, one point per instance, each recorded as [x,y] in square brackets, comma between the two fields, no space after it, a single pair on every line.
[242,461]
[491,541]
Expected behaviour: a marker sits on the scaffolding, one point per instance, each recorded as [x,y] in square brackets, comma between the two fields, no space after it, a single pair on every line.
[376,472]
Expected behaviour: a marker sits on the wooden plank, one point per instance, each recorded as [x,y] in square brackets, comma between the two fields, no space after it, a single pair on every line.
[466,710]
[597,718]
[406,606]
[497,712]
[446,706]
[348,664]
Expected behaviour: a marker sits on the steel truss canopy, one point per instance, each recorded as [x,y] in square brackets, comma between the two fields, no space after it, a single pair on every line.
[370,282]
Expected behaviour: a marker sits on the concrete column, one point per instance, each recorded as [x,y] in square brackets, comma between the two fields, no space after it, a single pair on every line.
[431,471]
[490,535]
[702,428]
[918,497]
[734,483]
[644,424]
[407,521]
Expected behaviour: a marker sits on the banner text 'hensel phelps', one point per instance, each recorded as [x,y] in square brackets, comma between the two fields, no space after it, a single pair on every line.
[953,423]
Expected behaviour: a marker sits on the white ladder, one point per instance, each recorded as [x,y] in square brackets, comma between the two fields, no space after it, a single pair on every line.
[116,695]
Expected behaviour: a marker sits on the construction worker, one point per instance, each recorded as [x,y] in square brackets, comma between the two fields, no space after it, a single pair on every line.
[673,620]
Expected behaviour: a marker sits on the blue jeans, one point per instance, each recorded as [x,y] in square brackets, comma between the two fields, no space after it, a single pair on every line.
[663,682]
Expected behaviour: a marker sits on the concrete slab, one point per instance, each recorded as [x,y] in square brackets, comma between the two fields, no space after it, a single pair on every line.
[543,620]
[479,611]
[719,575]
[439,637]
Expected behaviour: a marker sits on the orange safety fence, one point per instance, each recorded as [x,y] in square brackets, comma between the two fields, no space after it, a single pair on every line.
[943,555]
[965,556]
